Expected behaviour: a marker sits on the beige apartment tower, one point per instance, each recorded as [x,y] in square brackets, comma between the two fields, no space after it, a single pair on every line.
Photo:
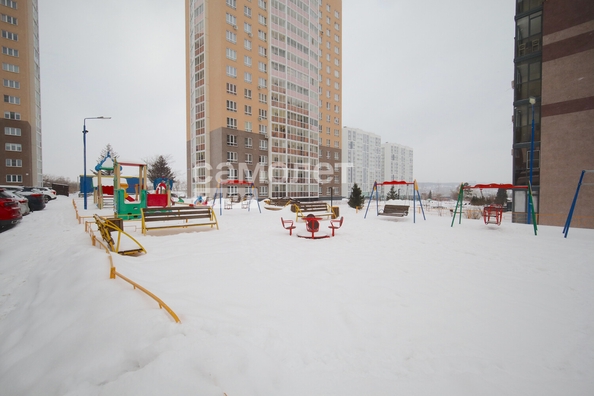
[264,82]
[20,139]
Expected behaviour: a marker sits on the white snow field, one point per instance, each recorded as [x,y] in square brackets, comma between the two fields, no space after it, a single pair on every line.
[386,307]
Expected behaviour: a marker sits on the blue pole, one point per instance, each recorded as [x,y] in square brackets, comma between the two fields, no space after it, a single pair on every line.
[570,214]
[84,183]
[531,164]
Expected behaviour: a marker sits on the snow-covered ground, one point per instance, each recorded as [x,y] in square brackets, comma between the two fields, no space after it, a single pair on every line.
[387,307]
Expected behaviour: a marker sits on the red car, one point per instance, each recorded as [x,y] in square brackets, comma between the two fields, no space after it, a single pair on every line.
[10,210]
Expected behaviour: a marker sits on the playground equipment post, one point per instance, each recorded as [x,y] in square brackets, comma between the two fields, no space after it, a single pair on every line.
[84,186]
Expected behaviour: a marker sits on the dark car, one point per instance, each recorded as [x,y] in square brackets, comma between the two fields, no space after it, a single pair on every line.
[36,198]
[10,211]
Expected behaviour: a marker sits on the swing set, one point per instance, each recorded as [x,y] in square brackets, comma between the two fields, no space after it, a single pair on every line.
[252,193]
[492,214]
[396,210]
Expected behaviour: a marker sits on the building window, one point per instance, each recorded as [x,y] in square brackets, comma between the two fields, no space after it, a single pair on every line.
[12,99]
[262,67]
[11,84]
[247,174]
[13,147]
[231,37]
[231,105]
[263,129]
[231,156]
[261,82]
[248,142]
[10,68]
[263,176]
[263,144]
[231,123]
[262,19]
[232,89]
[247,93]
[231,20]
[262,35]
[262,4]
[232,3]
[248,109]
[262,98]
[231,140]
[9,3]
[9,19]
[247,44]
[11,115]
[336,156]
[263,159]
[262,113]
[11,131]
[14,178]
[232,71]
[10,51]
[247,60]
[231,54]
[14,163]
[248,126]
[232,173]
[337,144]
[262,51]
[263,189]
[247,77]
[10,36]
[247,11]
[248,158]
[337,132]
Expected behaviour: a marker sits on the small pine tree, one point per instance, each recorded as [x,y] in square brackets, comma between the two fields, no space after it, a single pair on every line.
[501,197]
[391,194]
[430,195]
[112,154]
[159,168]
[356,199]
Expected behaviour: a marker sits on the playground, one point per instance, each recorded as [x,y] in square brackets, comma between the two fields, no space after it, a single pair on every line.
[387,306]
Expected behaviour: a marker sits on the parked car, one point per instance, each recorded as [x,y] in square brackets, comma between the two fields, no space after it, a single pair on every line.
[22,200]
[10,212]
[50,194]
[35,197]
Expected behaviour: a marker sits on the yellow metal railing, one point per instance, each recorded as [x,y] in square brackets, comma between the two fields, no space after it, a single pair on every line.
[113,273]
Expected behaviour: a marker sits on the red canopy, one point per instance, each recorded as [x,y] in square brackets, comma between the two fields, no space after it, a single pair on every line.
[237,182]
[394,182]
[494,185]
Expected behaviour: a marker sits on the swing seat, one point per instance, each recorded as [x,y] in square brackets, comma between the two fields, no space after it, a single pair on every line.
[493,214]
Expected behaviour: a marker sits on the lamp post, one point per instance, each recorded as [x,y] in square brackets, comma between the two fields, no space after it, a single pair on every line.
[532,101]
[84,183]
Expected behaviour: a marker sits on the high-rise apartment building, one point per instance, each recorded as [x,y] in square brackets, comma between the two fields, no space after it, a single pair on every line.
[363,155]
[368,160]
[397,162]
[554,80]
[20,140]
[264,95]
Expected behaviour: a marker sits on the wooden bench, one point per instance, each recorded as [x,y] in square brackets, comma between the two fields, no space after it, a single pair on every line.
[394,210]
[318,208]
[178,217]
[107,226]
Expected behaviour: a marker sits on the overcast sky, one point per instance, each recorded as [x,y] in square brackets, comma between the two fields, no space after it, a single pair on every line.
[432,75]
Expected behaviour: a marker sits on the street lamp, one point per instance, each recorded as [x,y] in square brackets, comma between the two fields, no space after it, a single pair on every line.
[532,101]
[84,183]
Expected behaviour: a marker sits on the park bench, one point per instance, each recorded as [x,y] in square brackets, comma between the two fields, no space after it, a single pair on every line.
[395,210]
[178,217]
[318,208]
[108,226]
